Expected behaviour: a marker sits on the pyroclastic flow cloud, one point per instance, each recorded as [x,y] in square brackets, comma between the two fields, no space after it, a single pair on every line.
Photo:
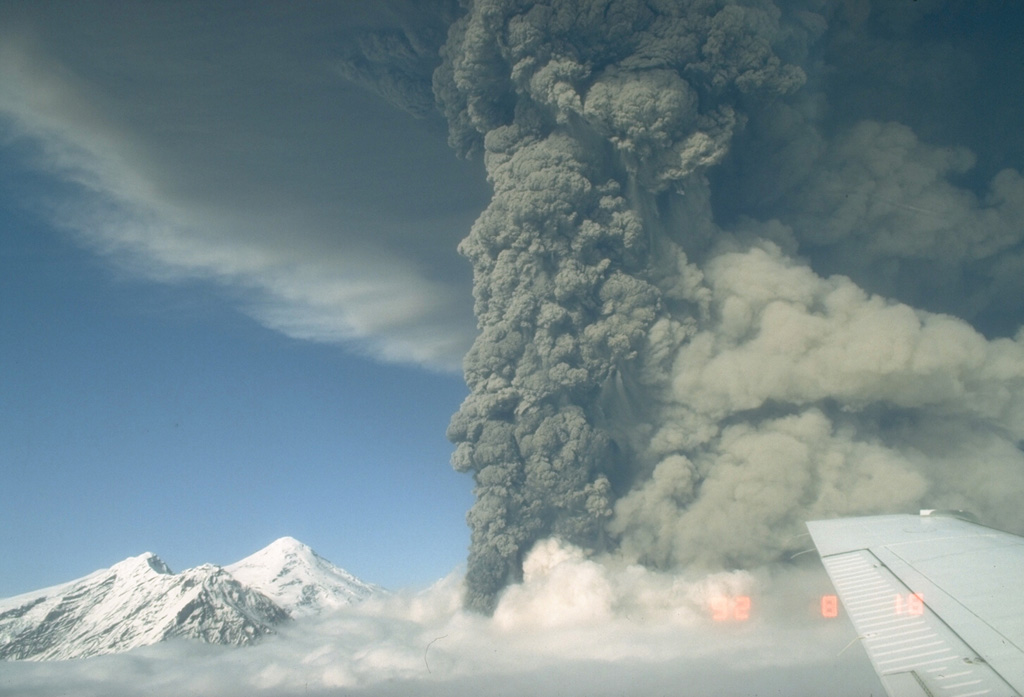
[725,284]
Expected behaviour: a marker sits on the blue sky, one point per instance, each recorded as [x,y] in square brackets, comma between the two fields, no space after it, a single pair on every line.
[230,301]
[145,416]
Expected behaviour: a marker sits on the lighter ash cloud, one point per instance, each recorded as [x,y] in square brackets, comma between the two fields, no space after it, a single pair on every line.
[800,397]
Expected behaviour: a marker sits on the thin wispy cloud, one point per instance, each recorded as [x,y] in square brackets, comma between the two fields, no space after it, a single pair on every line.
[313,263]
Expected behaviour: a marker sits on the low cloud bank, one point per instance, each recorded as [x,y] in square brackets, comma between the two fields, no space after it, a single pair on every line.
[573,626]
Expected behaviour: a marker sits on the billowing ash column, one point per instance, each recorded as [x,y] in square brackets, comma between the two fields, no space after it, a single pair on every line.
[596,121]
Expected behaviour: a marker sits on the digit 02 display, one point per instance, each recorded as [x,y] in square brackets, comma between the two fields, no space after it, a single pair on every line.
[730,608]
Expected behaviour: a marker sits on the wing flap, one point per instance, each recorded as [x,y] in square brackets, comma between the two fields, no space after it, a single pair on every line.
[927,630]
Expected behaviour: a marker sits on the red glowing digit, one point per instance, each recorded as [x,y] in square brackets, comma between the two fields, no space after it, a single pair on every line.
[725,608]
[742,609]
[719,609]
[829,606]
[913,604]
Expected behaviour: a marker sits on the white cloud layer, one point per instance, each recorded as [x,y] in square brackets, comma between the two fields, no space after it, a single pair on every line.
[574,626]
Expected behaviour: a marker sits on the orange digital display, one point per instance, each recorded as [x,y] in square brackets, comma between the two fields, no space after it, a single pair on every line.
[734,608]
[910,604]
[829,606]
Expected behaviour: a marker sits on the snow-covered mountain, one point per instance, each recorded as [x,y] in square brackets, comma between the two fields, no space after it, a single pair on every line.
[295,577]
[140,601]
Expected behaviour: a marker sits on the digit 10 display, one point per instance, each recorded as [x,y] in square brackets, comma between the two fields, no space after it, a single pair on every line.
[734,609]
[910,604]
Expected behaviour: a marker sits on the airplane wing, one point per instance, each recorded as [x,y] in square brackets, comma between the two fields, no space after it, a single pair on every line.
[937,601]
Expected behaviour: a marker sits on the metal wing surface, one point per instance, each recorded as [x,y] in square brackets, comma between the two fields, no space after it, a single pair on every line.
[937,601]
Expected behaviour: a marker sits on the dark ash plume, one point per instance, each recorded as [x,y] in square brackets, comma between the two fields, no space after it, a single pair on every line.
[596,121]
[697,286]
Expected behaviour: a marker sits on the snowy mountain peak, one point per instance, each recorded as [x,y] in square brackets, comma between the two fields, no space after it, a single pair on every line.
[141,564]
[136,602]
[140,601]
[284,548]
[298,578]
[288,542]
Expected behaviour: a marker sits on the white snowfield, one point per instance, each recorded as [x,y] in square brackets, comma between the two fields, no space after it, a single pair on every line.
[140,601]
[295,577]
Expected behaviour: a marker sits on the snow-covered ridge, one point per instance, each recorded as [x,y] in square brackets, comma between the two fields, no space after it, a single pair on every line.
[140,601]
